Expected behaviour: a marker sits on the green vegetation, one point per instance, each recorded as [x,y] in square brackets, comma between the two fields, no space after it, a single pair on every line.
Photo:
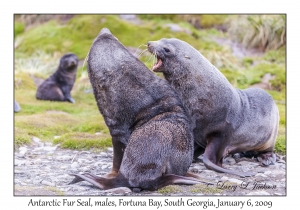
[266,32]
[79,140]
[40,41]
[170,189]
[19,28]
[202,188]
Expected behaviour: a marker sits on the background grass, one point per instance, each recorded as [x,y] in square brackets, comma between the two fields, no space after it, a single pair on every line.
[40,41]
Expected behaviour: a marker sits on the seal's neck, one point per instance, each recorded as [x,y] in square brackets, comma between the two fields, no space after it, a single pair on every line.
[199,79]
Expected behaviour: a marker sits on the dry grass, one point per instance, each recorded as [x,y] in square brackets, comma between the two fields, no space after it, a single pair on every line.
[267,32]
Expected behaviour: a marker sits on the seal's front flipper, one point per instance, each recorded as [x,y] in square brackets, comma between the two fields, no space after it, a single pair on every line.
[100,182]
[111,174]
[266,158]
[87,177]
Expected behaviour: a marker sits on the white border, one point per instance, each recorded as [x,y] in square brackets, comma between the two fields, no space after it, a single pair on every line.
[267,6]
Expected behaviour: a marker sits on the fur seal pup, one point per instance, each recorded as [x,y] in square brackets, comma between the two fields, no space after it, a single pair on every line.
[226,120]
[151,133]
[59,85]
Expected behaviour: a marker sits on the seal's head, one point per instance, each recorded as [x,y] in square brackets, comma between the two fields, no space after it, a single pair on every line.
[107,55]
[170,54]
[69,62]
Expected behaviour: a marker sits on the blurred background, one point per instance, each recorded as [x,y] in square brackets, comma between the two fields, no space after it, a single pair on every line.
[250,50]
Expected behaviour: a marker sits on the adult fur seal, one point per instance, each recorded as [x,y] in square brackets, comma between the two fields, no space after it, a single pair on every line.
[59,85]
[226,120]
[151,133]
[17,107]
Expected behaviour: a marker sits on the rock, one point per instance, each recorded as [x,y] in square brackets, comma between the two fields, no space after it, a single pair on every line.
[46,148]
[19,162]
[260,175]
[104,166]
[21,154]
[37,161]
[82,160]
[85,169]
[247,163]
[45,182]
[229,161]
[64,157]
[37,141]
[98,163]
[131,18]
[119,191]
[176,28]
[284,158]
[23,149]
[224,178]
[110,149]
[49,149]
[56,137]
[49,144]
[75,165]
[235,181]
[103,153]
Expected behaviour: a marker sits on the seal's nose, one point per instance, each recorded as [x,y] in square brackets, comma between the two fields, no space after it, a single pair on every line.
[104,31]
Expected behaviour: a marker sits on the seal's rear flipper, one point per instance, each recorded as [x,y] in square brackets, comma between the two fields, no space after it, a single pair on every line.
[169,179]
[214,153]
[210,165]
[199,178]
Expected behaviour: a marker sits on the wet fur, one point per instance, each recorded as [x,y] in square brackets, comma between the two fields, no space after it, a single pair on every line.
[59,85]
[226,120]
[151,133]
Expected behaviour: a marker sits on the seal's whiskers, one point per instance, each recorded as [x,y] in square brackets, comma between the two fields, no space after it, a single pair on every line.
[141,53]
[138,49]
[86,59]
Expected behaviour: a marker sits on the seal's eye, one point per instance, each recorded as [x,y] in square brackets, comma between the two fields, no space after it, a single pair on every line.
[166,50]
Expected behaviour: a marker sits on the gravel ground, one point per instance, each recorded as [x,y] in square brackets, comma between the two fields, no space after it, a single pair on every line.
[43,168]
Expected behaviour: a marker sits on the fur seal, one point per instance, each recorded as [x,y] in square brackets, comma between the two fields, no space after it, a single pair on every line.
[17,107]
[59,85]
[151,133]
[226,120]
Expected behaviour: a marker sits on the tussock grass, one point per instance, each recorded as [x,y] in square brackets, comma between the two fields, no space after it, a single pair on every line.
[267,32]
[39,63]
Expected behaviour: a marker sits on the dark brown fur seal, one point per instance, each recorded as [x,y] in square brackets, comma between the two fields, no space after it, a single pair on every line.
[151,133]
[226,120]
[59,85]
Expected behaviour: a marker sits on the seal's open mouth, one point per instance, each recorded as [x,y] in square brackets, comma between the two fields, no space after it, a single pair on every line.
[157,64]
